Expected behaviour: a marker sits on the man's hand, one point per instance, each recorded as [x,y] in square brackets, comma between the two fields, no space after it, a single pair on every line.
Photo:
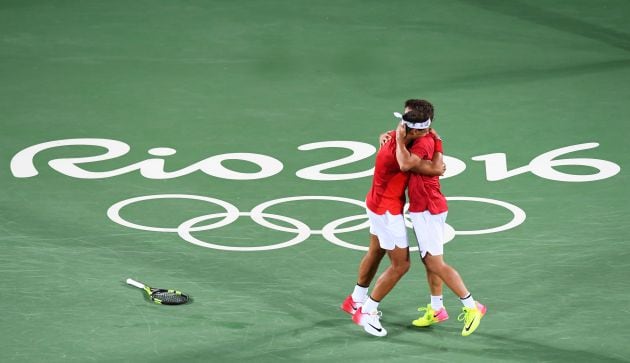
[401,132]
[384,138]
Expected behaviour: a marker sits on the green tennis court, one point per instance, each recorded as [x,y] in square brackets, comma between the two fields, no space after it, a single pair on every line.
[224,149]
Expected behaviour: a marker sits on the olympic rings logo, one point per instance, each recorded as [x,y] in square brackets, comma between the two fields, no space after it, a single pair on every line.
[302,230]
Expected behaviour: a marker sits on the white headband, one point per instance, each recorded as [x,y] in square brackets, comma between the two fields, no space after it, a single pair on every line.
[418,125]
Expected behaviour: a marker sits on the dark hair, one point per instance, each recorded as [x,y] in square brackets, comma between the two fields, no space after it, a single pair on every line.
[415,116]
[423,106]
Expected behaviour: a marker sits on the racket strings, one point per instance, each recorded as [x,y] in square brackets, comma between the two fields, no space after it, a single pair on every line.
[169,297]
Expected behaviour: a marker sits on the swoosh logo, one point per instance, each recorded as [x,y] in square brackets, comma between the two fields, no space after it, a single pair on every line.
[375,328]
[471,323]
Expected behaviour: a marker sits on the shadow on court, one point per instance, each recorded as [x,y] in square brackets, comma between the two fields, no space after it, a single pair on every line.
[556,21]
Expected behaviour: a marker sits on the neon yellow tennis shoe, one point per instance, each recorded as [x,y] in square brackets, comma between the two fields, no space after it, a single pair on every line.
[430,316]
[471,318]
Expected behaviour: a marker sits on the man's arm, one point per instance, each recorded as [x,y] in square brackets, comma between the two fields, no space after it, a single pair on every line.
[411,162]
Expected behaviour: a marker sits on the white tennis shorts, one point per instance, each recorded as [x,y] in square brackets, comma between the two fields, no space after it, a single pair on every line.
[429,230]
[389,228]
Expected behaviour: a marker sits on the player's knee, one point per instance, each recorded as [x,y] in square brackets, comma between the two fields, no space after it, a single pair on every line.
[434,265]
[401,267]
[376,253]
[405,267]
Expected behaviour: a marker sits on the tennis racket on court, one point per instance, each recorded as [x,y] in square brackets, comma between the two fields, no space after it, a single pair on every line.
[161,296]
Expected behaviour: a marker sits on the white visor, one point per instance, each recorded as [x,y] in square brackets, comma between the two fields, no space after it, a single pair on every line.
[418,125]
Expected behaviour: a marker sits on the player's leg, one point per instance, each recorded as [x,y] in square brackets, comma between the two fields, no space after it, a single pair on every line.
[434,312]
[473,311]
[368,315]
[392,236]
[367,270]
[435,283]
[444,272]
[400,263]
[370,262]
[430,234]
[435,287]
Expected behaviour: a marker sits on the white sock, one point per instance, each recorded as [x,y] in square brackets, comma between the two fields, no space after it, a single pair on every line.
[370,306]
[359,294]
[468,301]
[436,302]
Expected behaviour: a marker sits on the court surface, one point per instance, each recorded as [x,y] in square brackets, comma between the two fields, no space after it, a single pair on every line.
[225,115]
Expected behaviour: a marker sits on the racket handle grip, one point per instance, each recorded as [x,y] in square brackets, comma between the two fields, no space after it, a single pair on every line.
[135,283]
